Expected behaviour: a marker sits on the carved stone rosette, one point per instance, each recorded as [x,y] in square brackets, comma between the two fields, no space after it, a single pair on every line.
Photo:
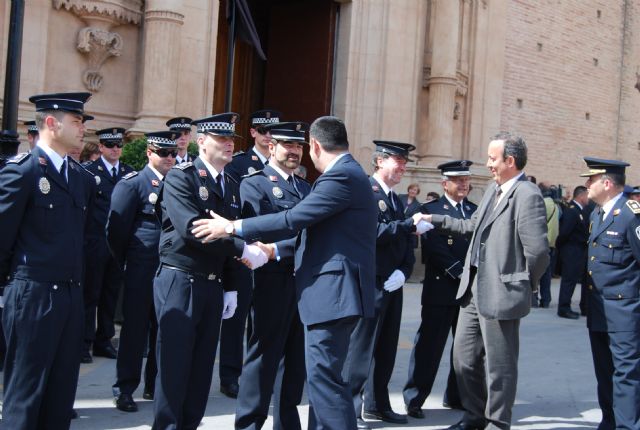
[97,41]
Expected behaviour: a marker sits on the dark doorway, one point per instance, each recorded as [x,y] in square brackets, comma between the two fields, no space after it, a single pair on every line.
[298,38]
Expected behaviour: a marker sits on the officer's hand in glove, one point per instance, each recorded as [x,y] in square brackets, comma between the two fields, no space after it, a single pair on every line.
[230,300]
[395,281]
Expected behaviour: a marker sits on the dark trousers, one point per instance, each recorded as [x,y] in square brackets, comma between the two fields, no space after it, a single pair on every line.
[277,333]
[616,359]
[139,325]
[573,260]
[232,332]
[189,311]
[43,326]
[102,280]
[545,280]
[429,345]
[330,402]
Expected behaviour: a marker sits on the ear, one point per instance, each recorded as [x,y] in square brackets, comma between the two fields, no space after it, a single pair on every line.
[51,122]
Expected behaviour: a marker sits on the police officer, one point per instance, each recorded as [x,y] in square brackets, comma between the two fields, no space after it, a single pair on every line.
[189,294]
[256,157]
[233,329]
[443,256]
[613,306]
[277,332]
[572,249]
[43,208]
[103,277]
[133,234]
[374,341]
[182,126]
[32,133]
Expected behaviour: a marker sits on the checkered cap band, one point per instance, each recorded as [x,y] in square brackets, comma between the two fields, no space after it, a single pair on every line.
[204,127]
[186,126]
[262,120]
[160,140]
[107,136]
[32,128]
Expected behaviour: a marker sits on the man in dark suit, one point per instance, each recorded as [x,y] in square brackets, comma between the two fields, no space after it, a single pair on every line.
[572,249]
[190,295]
[103,277]
[133,234]
[254,159]
[277,332]
[613,305]
[509,252]
[44,200]
[372,351]
[182,125]
[334,254]
[443,256]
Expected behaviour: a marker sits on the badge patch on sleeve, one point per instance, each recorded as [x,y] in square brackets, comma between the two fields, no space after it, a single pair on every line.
[634,206]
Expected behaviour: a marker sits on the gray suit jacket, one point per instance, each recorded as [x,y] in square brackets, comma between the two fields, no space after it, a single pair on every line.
[513,252]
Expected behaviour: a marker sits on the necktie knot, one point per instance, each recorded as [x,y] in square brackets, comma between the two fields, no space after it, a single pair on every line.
[114,172]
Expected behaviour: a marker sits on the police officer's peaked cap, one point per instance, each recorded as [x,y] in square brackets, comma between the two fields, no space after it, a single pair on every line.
[288,131]
[222,124]
[163,139]
[394,148]
[114,134]
[455,168]
[31,127]
[599,166]
[265,116]
[67,102]
[181,123]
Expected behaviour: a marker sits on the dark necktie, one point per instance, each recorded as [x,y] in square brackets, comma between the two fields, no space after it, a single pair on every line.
[497,196]
[63,169]
[601,217]
[393,200]
[292,182]
[218,185]
[114,172]
[459,209]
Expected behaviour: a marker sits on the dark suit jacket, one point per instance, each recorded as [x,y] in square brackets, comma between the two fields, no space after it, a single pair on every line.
[335,250]
[413,208]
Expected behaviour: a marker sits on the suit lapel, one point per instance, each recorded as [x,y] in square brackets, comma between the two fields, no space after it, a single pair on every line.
[610,216]
[504,203]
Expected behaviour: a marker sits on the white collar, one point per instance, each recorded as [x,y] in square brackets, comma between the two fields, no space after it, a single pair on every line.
[262,158]
[578,204]
[384,186]
[334,161]
[55,158]
[212,170]
[609,205]
[509,184]
[451,201]
[158,174]
[182,159]
[109,165]
[281,172]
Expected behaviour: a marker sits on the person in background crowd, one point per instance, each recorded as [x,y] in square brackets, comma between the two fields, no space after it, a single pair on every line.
[632,193]
[553,213]
[182,125]
[32,133]
[410,200]
[431,196]
[301,171]
[90,152]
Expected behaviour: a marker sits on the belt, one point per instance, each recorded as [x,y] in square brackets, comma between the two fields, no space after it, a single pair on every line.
[207,276]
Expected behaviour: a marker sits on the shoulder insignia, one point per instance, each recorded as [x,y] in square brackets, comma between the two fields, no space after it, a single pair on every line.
[183,166]
[254,173]
[86,164]
[238,153]
[19,159]
[130,175]
[616,212]
[572,206]
[634,206]
[375,188]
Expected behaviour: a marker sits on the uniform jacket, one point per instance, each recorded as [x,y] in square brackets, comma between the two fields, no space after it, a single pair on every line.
[266,192]
[133,228]
[335,250]
[574,228]
[443,254]
[244,163]
[513,252]
[188,194]
[43,218]
[105,185]
[614,267]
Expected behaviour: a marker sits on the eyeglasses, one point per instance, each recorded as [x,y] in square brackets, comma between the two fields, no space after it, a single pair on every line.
[164,153]
[112,144]
[262,130]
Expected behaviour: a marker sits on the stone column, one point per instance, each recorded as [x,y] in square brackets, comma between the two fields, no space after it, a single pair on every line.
[442,81]
[158,88]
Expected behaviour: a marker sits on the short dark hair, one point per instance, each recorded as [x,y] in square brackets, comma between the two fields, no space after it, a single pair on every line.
[580,189]
[41,115]
[618,179]
[514,146]
[330,132]
[375,156]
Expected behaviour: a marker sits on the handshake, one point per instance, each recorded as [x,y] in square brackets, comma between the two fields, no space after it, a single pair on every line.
[422,222]
[257,254]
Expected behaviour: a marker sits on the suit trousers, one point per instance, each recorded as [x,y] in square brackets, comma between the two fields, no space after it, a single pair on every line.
[139,325]
[189,311]
[616,359]
[479,342]
[429,345]
[232,331]
[326,348]
[277,334]
[43,326]
[573,260]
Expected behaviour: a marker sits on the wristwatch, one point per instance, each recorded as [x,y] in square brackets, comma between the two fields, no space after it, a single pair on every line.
[229,228]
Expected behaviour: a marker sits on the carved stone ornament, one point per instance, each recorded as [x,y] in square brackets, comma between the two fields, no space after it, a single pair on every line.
[97,41]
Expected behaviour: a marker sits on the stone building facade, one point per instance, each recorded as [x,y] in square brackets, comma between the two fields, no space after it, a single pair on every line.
[442,74]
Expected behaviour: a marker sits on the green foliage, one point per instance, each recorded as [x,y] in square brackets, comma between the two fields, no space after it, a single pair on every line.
[134,153]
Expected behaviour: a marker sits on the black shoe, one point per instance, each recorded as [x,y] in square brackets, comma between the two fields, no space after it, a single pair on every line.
[414,411]
[452,405]
[230,390]
[583,312]
[544,305]
[568,313]
[74,414]
[125,403]
[386,416]
[86,357]
[107,351]
[362,424]
[148,393]
[463,426]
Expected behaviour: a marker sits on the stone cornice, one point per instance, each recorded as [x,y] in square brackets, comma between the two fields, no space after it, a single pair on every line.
[164,15]
[117,11]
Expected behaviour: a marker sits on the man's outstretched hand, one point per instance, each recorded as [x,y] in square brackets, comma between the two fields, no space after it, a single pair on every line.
[209,229]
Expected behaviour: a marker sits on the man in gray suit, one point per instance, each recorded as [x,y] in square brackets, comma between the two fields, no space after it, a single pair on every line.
[507,257]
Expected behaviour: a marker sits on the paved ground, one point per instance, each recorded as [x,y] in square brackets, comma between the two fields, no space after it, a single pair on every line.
[556,388]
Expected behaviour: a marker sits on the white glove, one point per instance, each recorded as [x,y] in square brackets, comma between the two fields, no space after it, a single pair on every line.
[423,227]
[230,300]
[395,281]
[254,256]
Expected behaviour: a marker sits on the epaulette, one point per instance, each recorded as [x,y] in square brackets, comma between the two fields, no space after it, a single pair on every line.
[130,175]
[19,159]
[572,206]
[238,153]
[634,206]
[248,175]
[228,177]
[86,164]
[183,166]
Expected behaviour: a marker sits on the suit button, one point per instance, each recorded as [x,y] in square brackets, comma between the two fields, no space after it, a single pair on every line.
[437,277]
[590,272]
[593,258]
[55,287]
[610,246]
[619,296]
[595,244]
[191,280]
[590,287]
